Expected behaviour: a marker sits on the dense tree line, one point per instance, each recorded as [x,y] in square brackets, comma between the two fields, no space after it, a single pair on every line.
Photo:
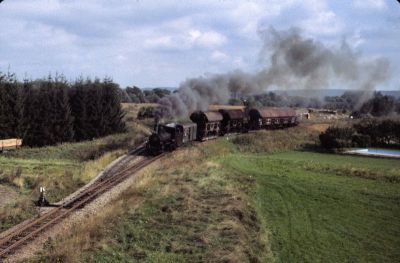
[373,132]
[136,95]
[53,110]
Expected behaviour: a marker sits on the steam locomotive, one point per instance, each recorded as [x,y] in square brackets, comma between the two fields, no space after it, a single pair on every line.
[208,125]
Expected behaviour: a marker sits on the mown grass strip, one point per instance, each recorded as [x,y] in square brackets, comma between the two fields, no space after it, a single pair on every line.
[316,215]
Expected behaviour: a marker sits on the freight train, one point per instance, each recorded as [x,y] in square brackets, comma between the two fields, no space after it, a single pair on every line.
[208,125]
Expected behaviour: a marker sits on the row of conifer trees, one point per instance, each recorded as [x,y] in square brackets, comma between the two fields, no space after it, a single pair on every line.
[53,110]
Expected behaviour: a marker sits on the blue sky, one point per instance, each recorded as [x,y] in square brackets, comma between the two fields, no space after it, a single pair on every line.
[162,43]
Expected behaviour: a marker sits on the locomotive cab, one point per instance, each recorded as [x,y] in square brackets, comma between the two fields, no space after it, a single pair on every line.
[168,137]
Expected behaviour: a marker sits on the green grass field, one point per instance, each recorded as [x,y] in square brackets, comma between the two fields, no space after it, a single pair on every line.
[324,207]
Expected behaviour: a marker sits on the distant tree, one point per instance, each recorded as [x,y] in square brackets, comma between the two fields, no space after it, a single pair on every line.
[160,92]
[135,94]
[78,100]
[63,123]
[397,106]
[112,110]
[379,105]
[9,111]
[123,96]
[150,96]
[38,130]
[26,109]
[95,122]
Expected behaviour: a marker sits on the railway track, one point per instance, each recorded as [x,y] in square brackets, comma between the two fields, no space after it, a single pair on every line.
[10,243]
[125,160]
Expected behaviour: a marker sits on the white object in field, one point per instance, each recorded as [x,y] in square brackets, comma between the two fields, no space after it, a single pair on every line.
[10,144]
[376,152]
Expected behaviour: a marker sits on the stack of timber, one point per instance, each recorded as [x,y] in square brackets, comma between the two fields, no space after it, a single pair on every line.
[10,144]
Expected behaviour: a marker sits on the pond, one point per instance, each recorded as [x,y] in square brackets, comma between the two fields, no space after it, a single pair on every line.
[376,152]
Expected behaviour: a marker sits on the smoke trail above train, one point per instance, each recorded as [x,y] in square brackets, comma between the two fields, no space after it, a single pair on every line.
[290,61]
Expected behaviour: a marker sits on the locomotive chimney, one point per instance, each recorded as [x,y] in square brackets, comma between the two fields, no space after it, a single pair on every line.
[246,105]
[156,123]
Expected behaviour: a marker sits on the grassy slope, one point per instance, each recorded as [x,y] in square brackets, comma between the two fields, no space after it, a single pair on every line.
[61,169]
[190,212]
[23,176]
[315,214]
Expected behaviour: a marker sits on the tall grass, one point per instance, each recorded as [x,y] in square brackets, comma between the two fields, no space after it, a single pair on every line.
[276,140]
[81,151]
[183,209]
[60,178]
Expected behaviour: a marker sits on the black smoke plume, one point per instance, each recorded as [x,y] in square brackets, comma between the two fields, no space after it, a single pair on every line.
[292,61]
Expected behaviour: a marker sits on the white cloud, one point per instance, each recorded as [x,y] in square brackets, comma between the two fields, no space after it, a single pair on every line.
[370,4]
[322,23]
[121,58]
[160,42]
[219,56]
[186,41]
[239,62]
[321,20]
[356,40]
[206,39]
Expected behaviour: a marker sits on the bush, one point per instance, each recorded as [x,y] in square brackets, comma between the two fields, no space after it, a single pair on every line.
[381,133]
[361,140]
[372,132]
[335,137]
[145,112]
[328,141]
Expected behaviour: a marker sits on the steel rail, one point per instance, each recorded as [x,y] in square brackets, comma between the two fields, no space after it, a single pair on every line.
[17,238]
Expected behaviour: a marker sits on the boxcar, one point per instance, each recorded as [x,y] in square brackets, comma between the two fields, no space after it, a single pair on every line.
[271,117]
[189,132]
[232,121]
[208,124]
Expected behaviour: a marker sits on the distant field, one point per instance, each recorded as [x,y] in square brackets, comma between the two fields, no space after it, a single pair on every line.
[321,208]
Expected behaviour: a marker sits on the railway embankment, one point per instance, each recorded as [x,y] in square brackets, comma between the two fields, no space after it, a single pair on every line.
[108,185]
[61,169]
